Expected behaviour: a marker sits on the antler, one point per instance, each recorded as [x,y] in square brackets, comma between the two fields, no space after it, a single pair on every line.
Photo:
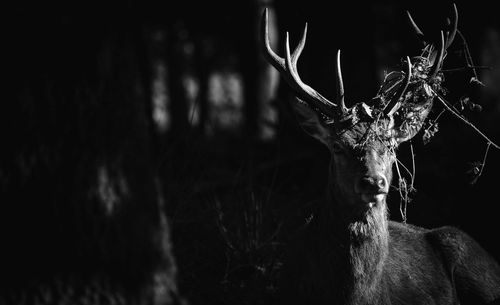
[439,58]
[394,103]
[438,54]
[340,85]
[450,36]
[288,68]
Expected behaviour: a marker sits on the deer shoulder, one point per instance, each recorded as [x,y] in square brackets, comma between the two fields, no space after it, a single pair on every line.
[474,272]
[443,262]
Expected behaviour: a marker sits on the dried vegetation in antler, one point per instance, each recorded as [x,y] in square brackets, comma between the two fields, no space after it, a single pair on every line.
[350,253]
[405,96]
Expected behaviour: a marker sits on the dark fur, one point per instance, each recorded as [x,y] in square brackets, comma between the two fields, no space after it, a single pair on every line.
[350,253]
[376,261]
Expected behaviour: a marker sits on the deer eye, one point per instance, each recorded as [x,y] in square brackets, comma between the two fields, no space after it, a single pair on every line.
[337,148]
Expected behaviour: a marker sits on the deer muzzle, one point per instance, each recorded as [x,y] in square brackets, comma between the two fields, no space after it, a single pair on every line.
[372,189]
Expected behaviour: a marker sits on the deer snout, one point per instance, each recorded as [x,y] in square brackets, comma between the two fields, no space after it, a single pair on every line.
[372,185]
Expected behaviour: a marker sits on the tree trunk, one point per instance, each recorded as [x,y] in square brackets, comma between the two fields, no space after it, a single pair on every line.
[81,215]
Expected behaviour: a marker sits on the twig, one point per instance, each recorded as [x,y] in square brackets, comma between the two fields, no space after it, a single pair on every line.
[468,57]
[405,198]
[467,68]
[438,116]
[455,113]
[404,167]
[435,121]
[412,165]
[482,164]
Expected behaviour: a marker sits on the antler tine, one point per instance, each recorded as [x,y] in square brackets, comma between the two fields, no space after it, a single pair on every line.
[439,58]
[450,35]
[394,104]
[298,50]
[340,85]
[304,91]
[276,61]
[417,30]
[288,69]
[454,23]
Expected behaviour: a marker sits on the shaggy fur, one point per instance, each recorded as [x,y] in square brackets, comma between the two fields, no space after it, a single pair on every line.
[376,261]
[350,253]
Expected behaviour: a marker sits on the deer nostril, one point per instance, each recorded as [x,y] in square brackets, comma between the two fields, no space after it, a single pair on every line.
[369,184]
[381,182]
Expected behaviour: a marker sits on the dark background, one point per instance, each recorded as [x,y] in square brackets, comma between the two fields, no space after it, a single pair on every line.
[149,154]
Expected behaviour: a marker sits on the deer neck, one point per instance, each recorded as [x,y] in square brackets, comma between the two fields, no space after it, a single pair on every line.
[361,239]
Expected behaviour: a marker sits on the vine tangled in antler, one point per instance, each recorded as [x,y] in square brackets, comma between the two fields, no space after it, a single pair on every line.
[400,108]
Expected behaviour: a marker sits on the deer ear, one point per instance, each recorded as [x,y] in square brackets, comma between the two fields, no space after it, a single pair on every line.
[311,122]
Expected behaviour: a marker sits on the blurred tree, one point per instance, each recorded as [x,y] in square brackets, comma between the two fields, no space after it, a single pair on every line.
[82,211]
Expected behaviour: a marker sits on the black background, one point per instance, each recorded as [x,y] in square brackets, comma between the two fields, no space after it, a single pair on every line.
[56,128]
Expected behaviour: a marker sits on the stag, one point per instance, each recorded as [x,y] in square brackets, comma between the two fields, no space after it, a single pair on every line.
[350,253]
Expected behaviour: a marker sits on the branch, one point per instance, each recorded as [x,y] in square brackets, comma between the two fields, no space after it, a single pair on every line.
[455,113]
[467,68]
[468,56]
[482,164]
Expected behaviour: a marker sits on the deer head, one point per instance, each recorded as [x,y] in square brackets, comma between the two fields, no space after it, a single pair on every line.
[363,138]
